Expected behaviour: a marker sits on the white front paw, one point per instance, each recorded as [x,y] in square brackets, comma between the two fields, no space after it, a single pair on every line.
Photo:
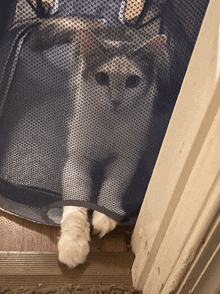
[73,245]
[102,224]
[73,249]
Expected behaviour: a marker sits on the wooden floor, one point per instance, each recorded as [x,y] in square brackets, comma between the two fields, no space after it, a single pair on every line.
[28,256]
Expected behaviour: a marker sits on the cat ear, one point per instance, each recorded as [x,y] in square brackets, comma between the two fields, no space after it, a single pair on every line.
[91,48]
[153,46]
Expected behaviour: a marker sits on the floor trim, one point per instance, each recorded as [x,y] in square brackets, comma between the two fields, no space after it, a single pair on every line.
[34,268]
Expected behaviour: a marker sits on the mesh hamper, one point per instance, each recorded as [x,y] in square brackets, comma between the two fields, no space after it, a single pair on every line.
[63,142]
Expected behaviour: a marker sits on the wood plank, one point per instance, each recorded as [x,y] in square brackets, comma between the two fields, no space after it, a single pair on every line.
[110,243]
[28,256]
[17,234]
[34,268]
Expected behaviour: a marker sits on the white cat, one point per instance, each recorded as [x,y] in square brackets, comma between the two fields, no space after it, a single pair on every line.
[108,126]
[112,87]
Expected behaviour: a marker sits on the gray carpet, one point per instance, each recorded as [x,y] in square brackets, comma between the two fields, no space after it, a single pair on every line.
[70,289]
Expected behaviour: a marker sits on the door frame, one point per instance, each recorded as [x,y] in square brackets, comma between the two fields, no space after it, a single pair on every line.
[183,199]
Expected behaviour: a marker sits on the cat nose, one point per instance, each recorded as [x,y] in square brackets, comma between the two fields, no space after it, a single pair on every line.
[116,103]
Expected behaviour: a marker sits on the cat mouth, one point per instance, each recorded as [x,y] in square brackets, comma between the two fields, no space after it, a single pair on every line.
[116,103]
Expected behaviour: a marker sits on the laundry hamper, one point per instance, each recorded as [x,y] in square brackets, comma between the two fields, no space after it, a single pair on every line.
[78,125]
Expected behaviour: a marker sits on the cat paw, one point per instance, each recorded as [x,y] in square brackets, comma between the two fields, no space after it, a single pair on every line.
[73,245]
[102,224]
[73,249]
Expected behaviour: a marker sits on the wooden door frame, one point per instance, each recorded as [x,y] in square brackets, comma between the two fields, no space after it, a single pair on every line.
[183,196]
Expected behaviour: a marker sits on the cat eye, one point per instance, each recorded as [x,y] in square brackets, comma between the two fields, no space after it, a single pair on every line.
[132,81]
[102,78]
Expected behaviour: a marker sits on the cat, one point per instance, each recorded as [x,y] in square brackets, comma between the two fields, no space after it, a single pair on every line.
[108,123]
[111,88]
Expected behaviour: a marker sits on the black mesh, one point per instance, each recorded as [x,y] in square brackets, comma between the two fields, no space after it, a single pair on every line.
[87,91]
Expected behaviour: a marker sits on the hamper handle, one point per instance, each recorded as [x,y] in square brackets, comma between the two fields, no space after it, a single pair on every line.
[44,210]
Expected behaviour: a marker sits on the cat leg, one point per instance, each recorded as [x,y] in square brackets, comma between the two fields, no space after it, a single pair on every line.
[117,179]
[76,179]
[73,245]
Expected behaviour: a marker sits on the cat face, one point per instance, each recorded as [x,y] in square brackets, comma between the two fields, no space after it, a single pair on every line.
[121,79]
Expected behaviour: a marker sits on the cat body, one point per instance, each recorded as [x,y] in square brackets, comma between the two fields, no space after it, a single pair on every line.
[110,88]
[108,125]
